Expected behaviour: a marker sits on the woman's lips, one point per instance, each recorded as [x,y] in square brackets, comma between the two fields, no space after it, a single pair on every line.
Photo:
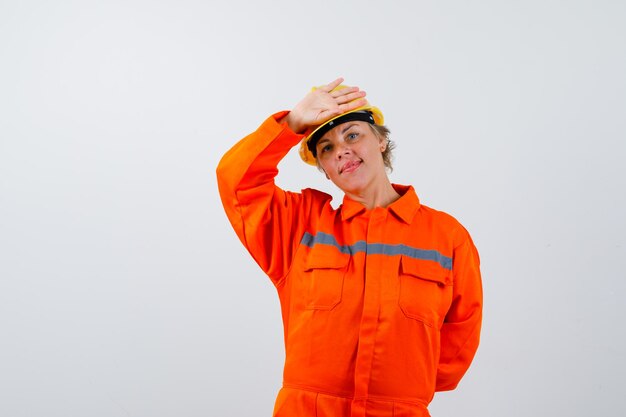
[350,167]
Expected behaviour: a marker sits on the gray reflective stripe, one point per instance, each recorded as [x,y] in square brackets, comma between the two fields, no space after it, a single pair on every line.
[322,238]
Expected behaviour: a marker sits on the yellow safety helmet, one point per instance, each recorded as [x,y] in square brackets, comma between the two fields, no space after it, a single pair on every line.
[366,113]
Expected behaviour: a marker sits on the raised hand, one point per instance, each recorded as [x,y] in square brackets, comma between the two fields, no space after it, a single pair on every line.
[324,103]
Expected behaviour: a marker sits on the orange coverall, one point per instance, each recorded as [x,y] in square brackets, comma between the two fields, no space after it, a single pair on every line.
[381,308]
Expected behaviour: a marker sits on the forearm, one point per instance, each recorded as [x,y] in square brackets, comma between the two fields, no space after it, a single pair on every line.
[257,154]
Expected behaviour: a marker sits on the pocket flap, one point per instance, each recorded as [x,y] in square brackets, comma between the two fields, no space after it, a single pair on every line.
[326,257]
[426,270]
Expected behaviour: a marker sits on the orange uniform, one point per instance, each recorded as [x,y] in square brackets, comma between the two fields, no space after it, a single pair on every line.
[381,308]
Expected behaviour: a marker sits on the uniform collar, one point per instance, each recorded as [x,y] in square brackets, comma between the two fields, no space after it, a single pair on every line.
[405,207]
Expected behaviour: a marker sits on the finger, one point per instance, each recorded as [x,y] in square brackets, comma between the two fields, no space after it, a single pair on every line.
[330,86]
[328,114]
[346,107]
[349,97]
[343,91]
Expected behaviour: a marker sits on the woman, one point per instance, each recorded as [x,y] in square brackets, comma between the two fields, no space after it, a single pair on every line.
[381,298]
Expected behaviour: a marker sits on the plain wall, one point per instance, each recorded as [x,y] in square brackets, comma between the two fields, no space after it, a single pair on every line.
[124,290]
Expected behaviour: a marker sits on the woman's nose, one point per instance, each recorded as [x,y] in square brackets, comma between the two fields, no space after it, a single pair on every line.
[343,150]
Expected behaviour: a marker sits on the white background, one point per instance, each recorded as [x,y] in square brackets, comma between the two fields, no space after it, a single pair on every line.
[123,289]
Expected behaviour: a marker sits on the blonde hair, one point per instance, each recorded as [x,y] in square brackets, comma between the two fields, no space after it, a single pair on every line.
[383,132]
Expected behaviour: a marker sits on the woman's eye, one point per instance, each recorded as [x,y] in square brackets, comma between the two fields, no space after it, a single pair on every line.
[326,148]
[352,136]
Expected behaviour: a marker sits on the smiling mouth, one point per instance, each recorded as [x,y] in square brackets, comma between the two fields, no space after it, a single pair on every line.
[350,166]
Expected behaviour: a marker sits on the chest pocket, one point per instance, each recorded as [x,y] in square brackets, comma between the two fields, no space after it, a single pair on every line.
[324,272]
[425,291]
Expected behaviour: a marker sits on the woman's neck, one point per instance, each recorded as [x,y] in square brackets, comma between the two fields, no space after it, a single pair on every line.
[381,196]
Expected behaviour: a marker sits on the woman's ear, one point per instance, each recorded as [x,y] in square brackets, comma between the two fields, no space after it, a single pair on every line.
[383,145]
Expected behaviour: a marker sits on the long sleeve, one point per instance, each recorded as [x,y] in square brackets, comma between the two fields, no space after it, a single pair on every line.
[266,218]
[460,332]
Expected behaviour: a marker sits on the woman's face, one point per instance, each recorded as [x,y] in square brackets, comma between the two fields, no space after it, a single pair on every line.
[351,156]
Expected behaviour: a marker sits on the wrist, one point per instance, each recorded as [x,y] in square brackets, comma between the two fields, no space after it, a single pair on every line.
[294,123]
